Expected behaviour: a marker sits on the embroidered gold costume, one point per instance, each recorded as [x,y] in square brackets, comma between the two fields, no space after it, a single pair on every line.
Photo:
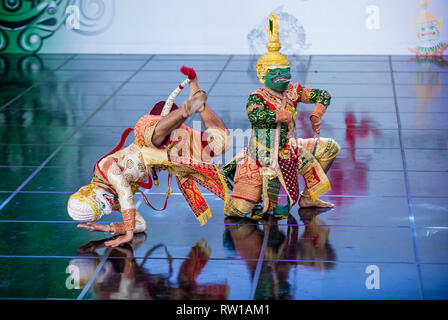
[120,174]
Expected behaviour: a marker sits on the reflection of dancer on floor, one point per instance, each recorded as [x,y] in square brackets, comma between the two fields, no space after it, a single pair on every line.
[245,237]
[283,252]
[124,277]
[162,142]
[314,247]
[273,159]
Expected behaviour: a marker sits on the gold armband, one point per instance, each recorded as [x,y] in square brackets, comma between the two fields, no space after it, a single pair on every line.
[129,219]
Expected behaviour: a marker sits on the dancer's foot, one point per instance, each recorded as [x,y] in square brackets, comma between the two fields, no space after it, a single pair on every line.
[194,103]
[281,213]
[306,202]
[230,213]
[257,213]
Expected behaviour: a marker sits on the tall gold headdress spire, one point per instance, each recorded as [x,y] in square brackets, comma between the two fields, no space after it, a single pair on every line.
[273,58]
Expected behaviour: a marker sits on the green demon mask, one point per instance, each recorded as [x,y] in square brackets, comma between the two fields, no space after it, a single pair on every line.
[278,78]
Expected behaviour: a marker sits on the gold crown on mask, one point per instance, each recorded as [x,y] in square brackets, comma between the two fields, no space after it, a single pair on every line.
[273,58]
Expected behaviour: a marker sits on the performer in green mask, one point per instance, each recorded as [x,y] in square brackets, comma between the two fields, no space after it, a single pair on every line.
[266,172]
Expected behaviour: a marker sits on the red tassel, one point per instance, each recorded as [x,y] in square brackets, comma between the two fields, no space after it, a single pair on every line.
[189,72]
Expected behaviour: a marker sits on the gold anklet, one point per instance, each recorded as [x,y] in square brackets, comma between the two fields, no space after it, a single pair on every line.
[200,90]
[305,196]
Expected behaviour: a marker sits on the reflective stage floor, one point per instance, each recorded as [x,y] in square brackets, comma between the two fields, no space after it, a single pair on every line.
[61,113]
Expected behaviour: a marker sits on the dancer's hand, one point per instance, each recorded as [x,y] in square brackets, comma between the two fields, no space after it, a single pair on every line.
[94,227]
[129,236]
[315,124]
[285,116]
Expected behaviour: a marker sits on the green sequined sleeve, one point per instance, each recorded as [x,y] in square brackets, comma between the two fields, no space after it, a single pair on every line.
[315,96]
[259,117]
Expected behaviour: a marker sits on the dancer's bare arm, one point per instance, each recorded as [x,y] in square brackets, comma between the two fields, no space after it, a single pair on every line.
[167,125]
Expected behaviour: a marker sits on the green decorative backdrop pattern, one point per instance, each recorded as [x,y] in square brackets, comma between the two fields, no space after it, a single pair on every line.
[25,24]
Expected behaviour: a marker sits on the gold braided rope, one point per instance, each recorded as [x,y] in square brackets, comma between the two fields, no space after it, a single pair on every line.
[169,102]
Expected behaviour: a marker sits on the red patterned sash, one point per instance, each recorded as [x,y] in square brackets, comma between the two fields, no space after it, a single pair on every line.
[288,168]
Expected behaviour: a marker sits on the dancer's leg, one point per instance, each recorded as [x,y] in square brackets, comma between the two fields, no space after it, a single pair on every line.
[325,150]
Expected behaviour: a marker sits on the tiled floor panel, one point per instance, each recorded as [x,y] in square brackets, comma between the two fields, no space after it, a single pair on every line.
[389,184]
